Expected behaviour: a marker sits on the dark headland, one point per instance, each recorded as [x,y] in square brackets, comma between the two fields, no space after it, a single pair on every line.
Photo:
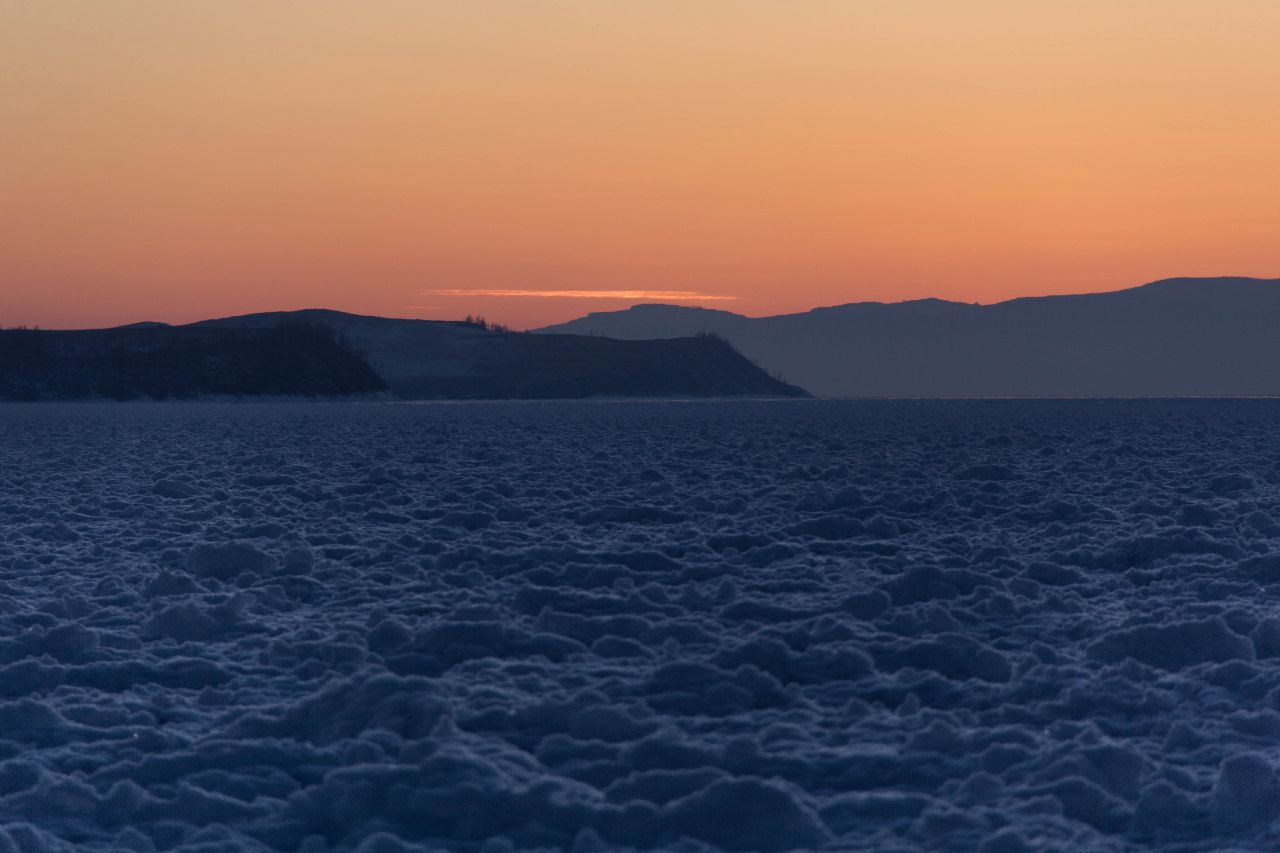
[320,353]
[152,360]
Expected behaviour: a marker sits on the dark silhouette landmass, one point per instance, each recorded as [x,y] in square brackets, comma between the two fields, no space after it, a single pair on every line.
[321,353]
[1177,337]
[165,362]
[429,359]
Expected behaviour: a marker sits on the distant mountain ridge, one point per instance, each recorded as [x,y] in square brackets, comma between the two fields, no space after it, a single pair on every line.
[1175,337]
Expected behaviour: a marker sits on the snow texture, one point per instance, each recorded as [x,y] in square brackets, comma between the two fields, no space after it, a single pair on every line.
[999,626]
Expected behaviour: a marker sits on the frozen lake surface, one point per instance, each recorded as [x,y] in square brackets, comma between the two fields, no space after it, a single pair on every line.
[993,626]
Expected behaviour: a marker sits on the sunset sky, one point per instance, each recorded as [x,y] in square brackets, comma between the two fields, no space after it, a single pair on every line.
[532,161]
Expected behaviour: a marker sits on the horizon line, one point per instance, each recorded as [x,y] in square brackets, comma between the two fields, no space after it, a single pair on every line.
[652,294]
[1208,279]
[503,293]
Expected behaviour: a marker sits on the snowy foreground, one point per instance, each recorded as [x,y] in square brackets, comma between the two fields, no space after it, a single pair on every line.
[589,626]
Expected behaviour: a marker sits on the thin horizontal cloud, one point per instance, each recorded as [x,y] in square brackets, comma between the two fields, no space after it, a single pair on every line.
[648,295]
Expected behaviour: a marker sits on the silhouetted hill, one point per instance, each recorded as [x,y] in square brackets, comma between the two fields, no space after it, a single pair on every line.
[1178,337]
[159,361]
[427,359]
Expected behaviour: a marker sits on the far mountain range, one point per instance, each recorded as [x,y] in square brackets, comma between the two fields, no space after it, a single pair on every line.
[1176,337]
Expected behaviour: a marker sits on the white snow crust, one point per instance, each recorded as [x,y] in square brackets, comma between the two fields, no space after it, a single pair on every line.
[992,626]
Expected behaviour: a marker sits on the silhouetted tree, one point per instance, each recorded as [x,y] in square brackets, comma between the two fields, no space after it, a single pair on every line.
[480,322]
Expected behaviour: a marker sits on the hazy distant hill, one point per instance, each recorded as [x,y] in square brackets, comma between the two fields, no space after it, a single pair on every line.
[425,359]
[162,362]
[1178,337]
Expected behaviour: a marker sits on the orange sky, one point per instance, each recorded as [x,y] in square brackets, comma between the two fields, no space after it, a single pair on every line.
[178,160]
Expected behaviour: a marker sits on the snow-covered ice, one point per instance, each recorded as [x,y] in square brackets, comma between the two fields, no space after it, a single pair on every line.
[997,626]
